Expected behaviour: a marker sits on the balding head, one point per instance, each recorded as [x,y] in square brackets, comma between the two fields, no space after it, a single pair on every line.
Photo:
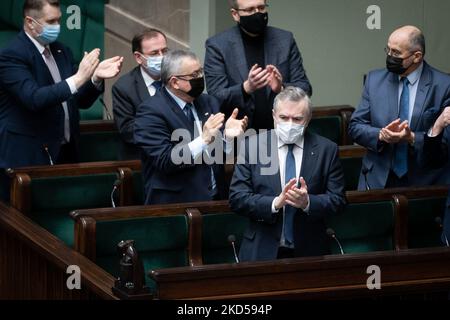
[410,38]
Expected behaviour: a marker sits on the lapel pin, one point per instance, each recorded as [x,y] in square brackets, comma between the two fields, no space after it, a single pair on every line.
[206,114]
[59,51]
[312,153]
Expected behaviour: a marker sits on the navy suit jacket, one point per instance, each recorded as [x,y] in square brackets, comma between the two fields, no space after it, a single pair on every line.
[252,192]
[127,94]
[436,154]
[226,67]
[379,107]
[166,181]
[31,113]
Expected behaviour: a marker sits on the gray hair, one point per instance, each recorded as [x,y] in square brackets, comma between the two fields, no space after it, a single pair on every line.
[417,41]
[293,94]
[172,63]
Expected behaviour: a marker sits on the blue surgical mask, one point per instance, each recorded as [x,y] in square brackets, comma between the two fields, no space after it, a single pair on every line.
[50,33]
[154,66]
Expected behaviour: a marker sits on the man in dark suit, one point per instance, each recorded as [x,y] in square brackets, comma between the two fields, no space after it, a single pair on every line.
[436,154]
[398,105]
[178,163]
[139,84]
[287,181]
[250,63]
[41,91]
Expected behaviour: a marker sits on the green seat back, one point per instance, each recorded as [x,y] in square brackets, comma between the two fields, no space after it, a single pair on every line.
[99,146]
[53,198]
[328,127]
[6,36]
[16,19]
[364,227]
[215,231]
[5,14]
[352,169]
[162,242]
[138,188]
[423,231]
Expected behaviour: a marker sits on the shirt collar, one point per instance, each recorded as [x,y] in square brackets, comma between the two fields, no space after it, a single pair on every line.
[39,46]
[415,75]
[147,79]
[178,100]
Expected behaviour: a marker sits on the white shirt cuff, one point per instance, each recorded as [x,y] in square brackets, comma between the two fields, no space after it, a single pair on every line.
[273,206]
[307,207]
[197,147]
[71,82]
[430,133]
[97,85]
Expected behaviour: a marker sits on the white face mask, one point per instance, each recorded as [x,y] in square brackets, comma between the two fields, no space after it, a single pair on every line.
[289,132]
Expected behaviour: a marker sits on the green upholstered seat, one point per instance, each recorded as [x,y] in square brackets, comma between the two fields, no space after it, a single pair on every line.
[138,188]
[16,18]
[364,227]
[5,14]
[423,231]
[99,146]
[162,242]
[328,127]
[53,198]
[352,169]
[6,36]
[216,228]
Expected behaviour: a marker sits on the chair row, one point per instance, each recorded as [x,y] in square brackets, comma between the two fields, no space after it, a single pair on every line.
[194,234]
[99,140]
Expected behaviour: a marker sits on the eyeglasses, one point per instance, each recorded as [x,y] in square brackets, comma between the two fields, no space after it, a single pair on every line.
[194,75]
[395,53]
[251,10]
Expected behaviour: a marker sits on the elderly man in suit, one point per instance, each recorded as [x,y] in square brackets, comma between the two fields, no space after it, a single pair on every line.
[177,129]
[41,91]
[288,197]
[149,48]
[250,63]
[398,105]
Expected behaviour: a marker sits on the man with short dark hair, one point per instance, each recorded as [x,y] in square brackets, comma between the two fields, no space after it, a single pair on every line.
[149,48]
[398,105]
[250,63]
[41,91]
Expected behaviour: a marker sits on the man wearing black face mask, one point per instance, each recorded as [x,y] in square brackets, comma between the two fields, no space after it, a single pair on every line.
[398,105]
[249,64]
[174,129]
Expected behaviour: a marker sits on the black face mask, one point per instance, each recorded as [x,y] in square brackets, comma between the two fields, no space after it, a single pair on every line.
[197,87]
[395,65]
[254,24]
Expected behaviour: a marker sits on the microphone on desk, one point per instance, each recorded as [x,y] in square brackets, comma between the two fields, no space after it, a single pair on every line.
[438,221]
[364,172]
[45,146]
[116,185]
[332,234]
[232,240]
[108,115]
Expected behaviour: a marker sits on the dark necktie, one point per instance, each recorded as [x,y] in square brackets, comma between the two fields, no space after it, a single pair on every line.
[157,84]
[289,212]
[188,112]
[401,149]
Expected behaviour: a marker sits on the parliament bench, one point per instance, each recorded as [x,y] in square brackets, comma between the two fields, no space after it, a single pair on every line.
[332,122]
[48,193]
[99,141]
[351,161]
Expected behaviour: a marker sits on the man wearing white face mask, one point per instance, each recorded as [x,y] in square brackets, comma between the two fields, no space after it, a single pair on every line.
[141,83]
[287,208]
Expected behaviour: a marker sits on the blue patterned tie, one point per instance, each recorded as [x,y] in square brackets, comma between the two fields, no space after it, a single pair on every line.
[188,112]
[289,212]
[401,149]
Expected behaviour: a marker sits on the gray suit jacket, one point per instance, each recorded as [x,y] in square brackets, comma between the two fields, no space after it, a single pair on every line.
[379,107]
[252,192]
[226,66]
[127,94]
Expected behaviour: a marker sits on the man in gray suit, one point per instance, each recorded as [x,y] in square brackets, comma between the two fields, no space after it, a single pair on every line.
[398,105]
[250,63]
[139,84]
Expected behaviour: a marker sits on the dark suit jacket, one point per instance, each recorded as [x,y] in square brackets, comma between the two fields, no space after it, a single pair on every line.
[436,154]
[166,181]
[127,94]
[379,107]
[226,67]
[31,112]
[253,191]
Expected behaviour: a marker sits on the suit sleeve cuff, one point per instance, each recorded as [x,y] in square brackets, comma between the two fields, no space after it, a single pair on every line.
[306,210]
[98,85]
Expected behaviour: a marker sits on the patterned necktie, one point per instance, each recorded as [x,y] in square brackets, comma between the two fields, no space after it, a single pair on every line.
[157,84]
[188,112]
[54,71]
[289,212]
[400,167]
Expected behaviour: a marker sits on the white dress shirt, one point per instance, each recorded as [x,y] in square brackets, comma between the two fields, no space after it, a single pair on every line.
[148,82]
